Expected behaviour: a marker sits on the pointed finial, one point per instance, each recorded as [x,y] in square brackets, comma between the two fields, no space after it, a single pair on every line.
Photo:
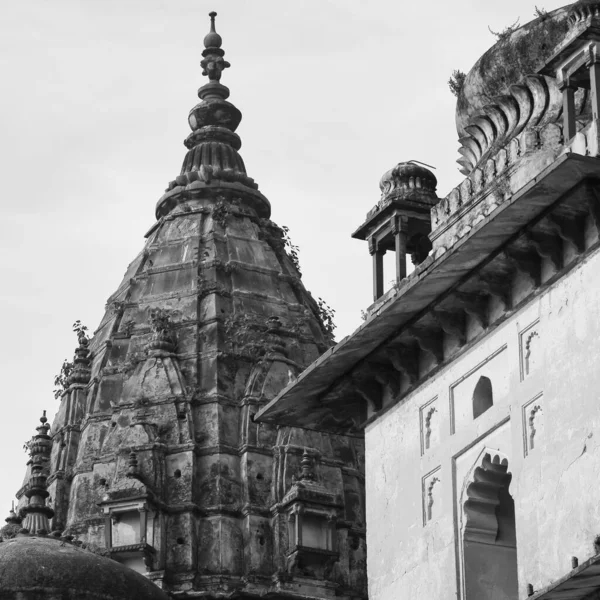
[44,427]
[213,63]
[12,516]
[307,466]
[212,39]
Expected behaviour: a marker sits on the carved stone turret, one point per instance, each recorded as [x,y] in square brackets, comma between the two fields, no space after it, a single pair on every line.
[81,363]
[401,220]
[37,513]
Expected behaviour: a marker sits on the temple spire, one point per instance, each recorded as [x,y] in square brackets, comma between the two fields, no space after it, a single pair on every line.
[37,513]
[212,163]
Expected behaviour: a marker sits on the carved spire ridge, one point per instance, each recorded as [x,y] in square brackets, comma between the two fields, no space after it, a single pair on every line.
[81,372]
[37,513]
[583,10]
[212,160]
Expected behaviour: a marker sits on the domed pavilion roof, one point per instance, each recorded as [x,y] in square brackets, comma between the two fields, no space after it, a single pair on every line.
[43,567]
[516,54]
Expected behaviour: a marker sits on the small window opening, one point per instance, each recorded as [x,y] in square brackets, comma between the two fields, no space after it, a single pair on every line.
[177,473]
[483,397]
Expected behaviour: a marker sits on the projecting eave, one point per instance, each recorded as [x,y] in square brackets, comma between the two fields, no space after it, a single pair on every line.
[319,399]
[581,582]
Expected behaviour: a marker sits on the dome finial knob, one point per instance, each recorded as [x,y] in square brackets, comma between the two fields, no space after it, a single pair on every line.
[213,63]
[212,38]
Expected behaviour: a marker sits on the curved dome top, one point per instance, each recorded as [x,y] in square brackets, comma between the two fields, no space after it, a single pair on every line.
[30,563]
[409,181]
[519,54]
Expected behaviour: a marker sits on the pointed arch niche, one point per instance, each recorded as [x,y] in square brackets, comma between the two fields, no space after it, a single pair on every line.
[488,534]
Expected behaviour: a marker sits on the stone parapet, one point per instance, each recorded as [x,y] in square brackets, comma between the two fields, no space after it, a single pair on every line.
[487,187]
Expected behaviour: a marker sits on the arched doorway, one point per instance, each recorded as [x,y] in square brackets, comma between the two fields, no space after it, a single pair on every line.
[489,535]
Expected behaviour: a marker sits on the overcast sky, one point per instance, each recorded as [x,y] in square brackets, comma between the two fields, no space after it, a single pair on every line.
[93,112]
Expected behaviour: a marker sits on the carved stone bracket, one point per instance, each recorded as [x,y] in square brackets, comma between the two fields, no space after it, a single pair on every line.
[453,323]
[474,305]
[386,376]
[548,246]
[404,360]
[369,390]
[526,262]
[570,229]
[496,285]
[431,341]
[594,206]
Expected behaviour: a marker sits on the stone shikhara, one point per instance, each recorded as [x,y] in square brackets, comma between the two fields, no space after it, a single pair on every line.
[154,458]
[211,437]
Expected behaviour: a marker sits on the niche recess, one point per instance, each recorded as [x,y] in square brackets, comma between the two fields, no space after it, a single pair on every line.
[483,397]
[489,540]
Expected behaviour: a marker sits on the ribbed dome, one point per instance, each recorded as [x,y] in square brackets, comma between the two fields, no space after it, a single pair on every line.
[42,568]
[519,54]
[409,182]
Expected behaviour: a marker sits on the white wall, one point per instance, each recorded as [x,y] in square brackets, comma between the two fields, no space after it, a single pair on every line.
[553,482]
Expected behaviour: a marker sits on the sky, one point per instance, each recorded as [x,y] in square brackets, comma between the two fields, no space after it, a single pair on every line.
[93,113]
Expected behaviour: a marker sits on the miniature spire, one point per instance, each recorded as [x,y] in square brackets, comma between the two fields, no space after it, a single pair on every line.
[37,513]
[81,372]
[307,467]
[12,515]
[13,525]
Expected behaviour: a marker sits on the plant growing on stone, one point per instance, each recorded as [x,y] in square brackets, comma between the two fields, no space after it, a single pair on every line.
[540,13]
[506,32]
[456,81]
[291,249]
[325,314]
[80,330]
[61,381]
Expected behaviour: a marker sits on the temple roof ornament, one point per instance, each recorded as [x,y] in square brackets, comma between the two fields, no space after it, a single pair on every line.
[13,525]
[505,93]
[213,63]
[81,372]
[583,10]
[212,160]
[410,182]
[306,463]
[37,512]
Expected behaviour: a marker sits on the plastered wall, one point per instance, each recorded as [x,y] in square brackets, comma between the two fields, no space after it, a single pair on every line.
[543,366]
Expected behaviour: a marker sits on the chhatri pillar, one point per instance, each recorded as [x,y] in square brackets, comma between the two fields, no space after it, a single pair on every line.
[401,221]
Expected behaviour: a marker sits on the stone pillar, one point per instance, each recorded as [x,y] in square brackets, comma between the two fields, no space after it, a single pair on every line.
[108,531]
[569,124]
[399,225]
[143,524]
[594,67]
[377,255]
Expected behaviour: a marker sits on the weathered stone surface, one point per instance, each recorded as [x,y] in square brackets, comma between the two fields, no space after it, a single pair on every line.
[156,456]
[43,568]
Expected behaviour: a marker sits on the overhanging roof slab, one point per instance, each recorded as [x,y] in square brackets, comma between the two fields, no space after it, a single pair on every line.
[301,402]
